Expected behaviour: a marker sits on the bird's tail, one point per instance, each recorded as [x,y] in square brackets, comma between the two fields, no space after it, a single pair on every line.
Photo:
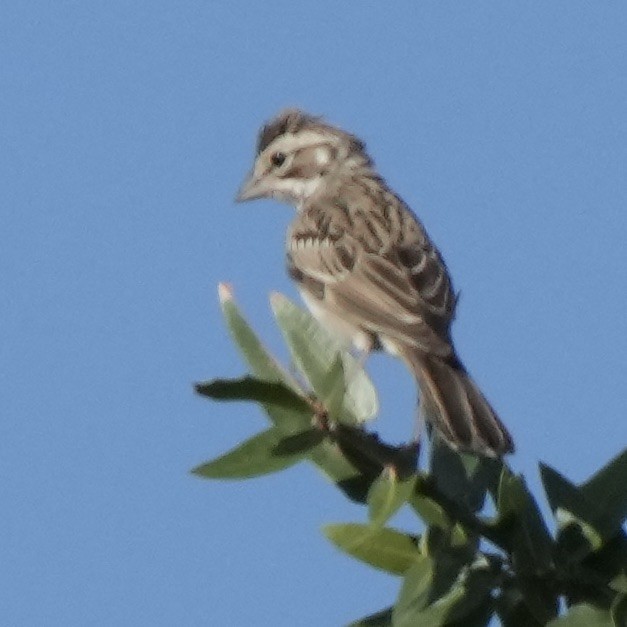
[455,406]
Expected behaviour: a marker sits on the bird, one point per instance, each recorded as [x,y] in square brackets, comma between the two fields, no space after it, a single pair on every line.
[367,270]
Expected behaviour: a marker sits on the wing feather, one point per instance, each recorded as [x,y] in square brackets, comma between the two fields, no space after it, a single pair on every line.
[396,287]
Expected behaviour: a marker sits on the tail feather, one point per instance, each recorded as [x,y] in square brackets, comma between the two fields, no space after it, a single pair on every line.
[455,406]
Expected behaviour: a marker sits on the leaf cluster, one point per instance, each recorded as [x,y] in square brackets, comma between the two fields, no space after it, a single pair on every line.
[461,565]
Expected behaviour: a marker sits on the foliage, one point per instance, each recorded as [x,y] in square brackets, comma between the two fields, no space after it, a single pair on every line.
[466,566]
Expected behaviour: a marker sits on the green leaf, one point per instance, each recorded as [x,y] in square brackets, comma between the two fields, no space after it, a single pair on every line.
[437,592]
[254,457]
[332,390]
[589,525]
[529,539]
[584,616]
[415,593]
[316,354]
[608,490]
[379,619]
[262,364]
[430,511]
[368,453]
[463,477]
[251,389]
[476,606]
[439,510]
[576,517]
[600,576]
[387,495]
[619,610]
[299,443]
[327,456]
[386,549]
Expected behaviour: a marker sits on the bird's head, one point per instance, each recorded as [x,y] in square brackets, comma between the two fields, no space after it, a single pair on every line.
[299,155]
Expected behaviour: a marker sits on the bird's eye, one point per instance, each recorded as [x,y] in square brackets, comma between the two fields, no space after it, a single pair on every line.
[278,159]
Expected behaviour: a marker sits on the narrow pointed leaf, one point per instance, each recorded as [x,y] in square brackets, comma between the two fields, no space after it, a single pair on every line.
[254,457]
[315,352]
[370,454]
[386,549]
[414,594]
[431,596]
[263,366]
[298,443]
[327,456]
[608,490]
[476,604]
[332,391]
[387,495]
[530,541]
[438,510]
[577,516]
[560,492]
[250,389]
[431,512]
[464,477]
[262,363]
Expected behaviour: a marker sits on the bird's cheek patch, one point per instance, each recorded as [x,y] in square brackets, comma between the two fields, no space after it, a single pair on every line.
[322,156]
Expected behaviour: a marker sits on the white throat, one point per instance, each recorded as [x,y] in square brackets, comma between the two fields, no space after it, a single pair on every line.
[298,191]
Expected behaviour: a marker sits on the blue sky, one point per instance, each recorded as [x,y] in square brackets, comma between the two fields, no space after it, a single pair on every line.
[125,130]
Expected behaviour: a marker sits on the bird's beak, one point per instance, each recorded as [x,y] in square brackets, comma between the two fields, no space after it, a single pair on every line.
[251,189]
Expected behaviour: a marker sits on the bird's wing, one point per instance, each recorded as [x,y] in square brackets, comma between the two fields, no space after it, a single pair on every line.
[396,287]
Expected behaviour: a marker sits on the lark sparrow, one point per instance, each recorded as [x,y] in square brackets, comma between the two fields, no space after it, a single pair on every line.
[367,269]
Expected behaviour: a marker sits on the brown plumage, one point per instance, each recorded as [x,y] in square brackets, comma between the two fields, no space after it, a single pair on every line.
[367,269]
